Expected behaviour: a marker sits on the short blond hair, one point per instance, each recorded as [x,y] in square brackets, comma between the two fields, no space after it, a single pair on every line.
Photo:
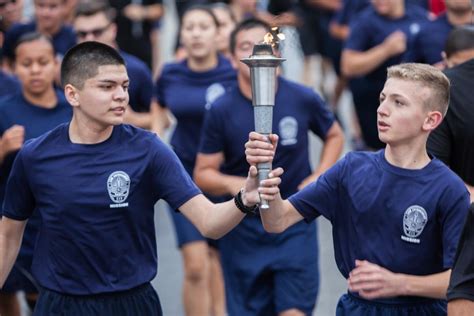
[427,76]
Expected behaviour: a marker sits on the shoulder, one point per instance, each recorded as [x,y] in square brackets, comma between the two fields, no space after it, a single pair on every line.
[174,68]
[226,100]
[10,104]
[298,90]
[40,144]
[448,178]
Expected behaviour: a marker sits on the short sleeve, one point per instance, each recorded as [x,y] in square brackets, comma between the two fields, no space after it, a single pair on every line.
[213,131]
[160,88]
[320,197]
[170,178]
[461,284]
[145,91]
[19,202]
[359,37]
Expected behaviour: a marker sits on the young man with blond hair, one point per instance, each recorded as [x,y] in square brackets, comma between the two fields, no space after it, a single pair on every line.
[397,214]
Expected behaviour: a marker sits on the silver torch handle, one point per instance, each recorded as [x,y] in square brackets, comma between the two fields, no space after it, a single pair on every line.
[263,115]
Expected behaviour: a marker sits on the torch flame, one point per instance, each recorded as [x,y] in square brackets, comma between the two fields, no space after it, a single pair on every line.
[273,37]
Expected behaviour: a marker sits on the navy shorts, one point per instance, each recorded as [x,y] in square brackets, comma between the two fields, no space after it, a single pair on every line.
[351,305]
[266,274]
[141,300]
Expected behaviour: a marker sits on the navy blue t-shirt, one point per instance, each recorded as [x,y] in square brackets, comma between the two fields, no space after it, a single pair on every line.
[349,9]
[408,221]
[141,83]
[15,109]
[8,84]
[370,29]
[96,203]
[430,41]
[64,39]
[297,110]
[187,94]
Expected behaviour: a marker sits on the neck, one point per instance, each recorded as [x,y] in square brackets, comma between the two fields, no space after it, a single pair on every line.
[84,131]
[459,18]
[47,100]
[203,64]
[403,156]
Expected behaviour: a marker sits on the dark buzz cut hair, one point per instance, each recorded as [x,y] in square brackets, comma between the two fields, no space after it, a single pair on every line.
[460,38]
[31,37]
[92,7]
[245,25]
[82,62]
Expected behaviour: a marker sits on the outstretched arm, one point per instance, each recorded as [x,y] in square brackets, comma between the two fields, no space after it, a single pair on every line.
[372,281]
[215,220]
[11,234]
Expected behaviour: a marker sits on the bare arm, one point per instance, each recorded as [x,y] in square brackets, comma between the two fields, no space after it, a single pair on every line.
[11,233]
[215,220]
[355,63]
[11,140]
[373,281]
[460,307]
[211,180]
[331,152]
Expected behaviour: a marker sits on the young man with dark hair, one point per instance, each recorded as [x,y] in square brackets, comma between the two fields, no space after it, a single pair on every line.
[94,21]
[35,109]
[95,182]
[264,273]
[397,214]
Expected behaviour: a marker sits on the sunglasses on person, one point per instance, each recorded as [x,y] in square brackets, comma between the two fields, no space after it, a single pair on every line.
[3,4]
[95,32]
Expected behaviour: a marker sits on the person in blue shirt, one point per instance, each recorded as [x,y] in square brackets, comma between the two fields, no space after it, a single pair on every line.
[264,273]
[431,39]
[397,214]
[49,20]
[186,89]
[94,22]
[95,181]
[380,36]
[24,114]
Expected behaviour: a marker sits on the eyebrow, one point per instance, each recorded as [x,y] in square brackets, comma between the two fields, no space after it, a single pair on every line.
[111,81]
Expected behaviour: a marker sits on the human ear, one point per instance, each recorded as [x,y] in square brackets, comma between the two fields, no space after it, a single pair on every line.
[72,95]
[432,120]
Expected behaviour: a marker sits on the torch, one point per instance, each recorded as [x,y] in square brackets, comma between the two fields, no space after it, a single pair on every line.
[263,65]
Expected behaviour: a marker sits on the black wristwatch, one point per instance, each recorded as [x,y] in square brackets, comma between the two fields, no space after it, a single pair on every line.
[248,210]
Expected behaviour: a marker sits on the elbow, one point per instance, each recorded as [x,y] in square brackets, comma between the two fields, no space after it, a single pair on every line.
[211,233]
[274,229]
[347,67]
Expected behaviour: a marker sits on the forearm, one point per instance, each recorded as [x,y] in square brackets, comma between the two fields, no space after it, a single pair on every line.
[10,242]
[212,220]
[214,182]
[460,307]
[433,285]
[153,12]
[354,63]
[274,219]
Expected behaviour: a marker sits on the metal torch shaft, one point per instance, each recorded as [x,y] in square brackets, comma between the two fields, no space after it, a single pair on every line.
[263,115]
